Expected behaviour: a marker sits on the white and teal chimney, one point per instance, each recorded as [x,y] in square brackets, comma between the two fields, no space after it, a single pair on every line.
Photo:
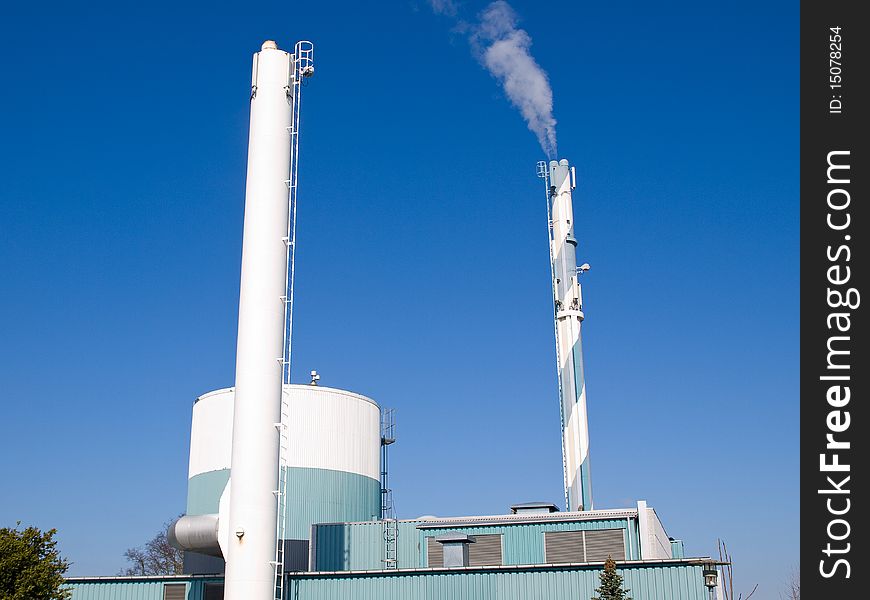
[568,304]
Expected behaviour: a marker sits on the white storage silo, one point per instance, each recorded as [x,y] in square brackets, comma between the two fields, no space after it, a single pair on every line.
[333,466]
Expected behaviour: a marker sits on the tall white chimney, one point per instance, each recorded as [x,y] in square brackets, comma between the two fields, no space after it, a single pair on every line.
[254,467]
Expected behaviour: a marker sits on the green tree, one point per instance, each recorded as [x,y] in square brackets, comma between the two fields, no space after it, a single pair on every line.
[610,587]
[31,568]
[156,557]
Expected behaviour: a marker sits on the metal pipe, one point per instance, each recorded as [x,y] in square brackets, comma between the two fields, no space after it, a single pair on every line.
[197,533]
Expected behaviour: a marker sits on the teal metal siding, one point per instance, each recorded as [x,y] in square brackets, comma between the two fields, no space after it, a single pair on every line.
[327,496]
[128,590]
[666,582]
[677,550]
[204,492]
[136,589]
[359,546]
[523,543]
[657,581]
[314,496]
[647,582]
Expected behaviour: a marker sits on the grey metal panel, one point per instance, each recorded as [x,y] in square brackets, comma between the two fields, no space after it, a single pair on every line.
[603,543]
[434,552]
[202,564]
[295,555]
[174,591]
[214,591]
[486,551]
[454,536]
[564,547]
[455,554]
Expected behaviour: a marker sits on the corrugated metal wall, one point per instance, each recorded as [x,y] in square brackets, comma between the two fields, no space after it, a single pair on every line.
[672,581]
[335,430]
[204,492]
[327,496]
[665,582]
[132,589]
[524,543]
[359,546]
[127,590]
[314,496]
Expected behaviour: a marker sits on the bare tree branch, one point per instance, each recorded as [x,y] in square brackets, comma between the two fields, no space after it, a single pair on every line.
[156,557]
[728,574]
[793,587]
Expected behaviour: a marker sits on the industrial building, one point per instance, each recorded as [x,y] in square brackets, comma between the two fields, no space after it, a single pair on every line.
[288,491]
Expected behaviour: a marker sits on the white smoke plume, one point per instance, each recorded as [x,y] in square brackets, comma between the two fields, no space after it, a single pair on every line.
[444,7]
[503,49]
[505,54]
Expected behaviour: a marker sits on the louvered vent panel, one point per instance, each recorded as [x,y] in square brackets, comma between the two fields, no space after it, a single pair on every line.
[485,551]
[174,591]
[435,552]
[563,546]
[602,543]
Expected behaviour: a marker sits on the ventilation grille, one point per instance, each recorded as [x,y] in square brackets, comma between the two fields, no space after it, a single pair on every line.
[174,591]
[564,547]
[584,546]
[484,552]
[602,543]
[434,552]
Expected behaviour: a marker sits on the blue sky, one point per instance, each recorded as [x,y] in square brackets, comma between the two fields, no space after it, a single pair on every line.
[422,264]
